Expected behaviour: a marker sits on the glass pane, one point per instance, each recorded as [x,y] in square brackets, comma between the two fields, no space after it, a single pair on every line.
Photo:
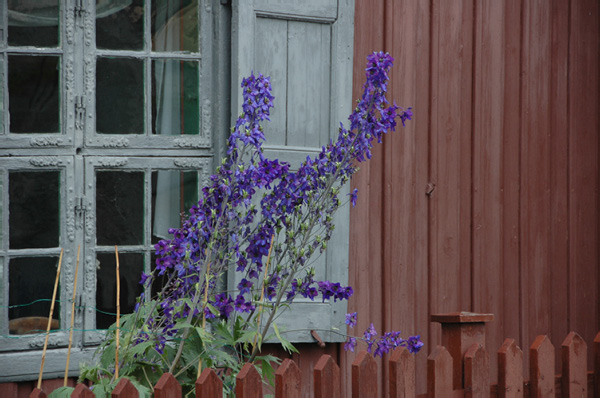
[33,89]
[33,23]
[173,194]
[34,199]
[175,25]
[120,96]
[119,208]
[120,24]
[31,282]
[131,266]
[175,107]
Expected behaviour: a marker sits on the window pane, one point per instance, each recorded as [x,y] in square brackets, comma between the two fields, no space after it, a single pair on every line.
[175,25]
[33,89]
[120,96]
[119,24]
[173,194]
[34,209]
[131,266]
[175,107]
[33,23]
[120,208]
[32,279]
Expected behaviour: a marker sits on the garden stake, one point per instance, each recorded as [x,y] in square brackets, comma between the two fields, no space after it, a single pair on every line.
[204,314]
[262,295]
[72,317]
[118,315]
[39,384]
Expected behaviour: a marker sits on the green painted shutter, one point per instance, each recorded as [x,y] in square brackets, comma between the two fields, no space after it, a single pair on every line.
[306,47]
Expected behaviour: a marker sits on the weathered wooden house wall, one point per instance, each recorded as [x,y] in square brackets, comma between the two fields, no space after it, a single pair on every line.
[488,200]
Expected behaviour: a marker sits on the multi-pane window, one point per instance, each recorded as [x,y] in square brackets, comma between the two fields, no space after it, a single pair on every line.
[107,113]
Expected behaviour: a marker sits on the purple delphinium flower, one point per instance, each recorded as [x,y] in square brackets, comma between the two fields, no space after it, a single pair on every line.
[351,319]
[350,344]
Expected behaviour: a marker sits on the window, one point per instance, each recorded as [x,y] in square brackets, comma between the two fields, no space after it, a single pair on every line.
[111,119]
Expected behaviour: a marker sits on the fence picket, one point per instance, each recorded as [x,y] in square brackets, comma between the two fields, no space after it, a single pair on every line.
[248,383]
[37,393]
[125,389]
[439,373]
[209,385]
[477,372]
[364,376]
[510,370]
[82,391]
[167,387]
[597,365]
[287,380]
[541,368]
[402,374]
[326,378]
[574,366]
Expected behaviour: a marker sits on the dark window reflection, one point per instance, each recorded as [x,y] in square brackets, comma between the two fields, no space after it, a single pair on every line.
[33,23]
[33,89]
[175,97]
[31,279]
[118,27]
[175,25]
[34,209]
[120,96]
[131,266]
[119,208]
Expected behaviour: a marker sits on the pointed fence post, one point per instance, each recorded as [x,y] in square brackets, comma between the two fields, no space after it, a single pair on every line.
[596,391]
[209,385]
[82,391]
[37,393]
[402,374]
[541,368]
[439,373]
[460,330]
[248,383]
[288,380]
[167,387]
[477,372]
[574,366]
[125,389]
[364,376]
[510,370]
[326,378]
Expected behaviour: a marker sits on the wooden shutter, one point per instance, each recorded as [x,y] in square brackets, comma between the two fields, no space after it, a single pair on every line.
[306,47]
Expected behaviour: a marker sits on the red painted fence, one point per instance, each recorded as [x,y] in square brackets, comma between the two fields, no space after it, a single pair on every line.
[459,368]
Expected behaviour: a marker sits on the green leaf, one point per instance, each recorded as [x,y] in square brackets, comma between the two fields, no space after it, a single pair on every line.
[62,392]
[284,343]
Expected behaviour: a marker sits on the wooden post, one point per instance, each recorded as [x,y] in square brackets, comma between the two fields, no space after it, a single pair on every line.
[510,370]
[248,383]
[574,366]
[167,387]
[439,373]
[327,378]
[288,380]
[209,385]
[541,368]
[82,391]
[364,376]
[460,330]
[477,372]
[596,354]
[125,389]
[402,374]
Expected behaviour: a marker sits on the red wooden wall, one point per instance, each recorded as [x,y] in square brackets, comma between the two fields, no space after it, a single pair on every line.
[488,200]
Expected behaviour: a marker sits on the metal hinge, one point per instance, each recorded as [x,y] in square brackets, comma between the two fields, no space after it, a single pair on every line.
[79,112]
[80,209]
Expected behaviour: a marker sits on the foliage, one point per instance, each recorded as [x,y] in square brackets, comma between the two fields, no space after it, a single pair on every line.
[266,222]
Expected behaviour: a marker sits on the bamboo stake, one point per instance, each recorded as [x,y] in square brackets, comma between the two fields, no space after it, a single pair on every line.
[72,317]
[39,384]
[204,313]
[118,315]
[262,295]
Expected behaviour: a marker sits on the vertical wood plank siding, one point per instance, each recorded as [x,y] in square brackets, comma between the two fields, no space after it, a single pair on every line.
[506,104]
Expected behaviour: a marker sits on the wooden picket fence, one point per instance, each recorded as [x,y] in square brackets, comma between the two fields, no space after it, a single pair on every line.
[459,368]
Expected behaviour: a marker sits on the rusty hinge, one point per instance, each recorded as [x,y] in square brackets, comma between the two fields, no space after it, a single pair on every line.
[79,112]
[80,209]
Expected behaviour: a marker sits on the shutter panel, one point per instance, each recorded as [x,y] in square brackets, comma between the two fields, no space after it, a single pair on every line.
[306,47]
